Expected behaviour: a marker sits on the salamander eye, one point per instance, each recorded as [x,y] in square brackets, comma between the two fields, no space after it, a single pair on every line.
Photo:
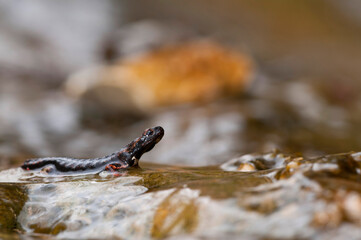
[150,132]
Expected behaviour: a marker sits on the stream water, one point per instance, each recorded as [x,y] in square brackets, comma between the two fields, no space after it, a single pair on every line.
[254,196]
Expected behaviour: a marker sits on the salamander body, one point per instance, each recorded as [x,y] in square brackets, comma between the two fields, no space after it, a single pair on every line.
[123,159]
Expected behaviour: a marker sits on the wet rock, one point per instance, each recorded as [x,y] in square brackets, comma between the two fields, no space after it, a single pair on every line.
[289,196]
[257,162]
[176,215]
[75,211]
[12,199]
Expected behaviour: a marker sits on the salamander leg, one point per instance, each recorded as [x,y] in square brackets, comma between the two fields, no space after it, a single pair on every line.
[48,169]
[114,169]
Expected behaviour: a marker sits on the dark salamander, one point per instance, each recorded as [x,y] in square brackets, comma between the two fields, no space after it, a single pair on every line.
[124,158]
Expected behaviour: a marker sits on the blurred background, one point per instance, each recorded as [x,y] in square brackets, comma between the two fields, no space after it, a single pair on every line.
[83,78]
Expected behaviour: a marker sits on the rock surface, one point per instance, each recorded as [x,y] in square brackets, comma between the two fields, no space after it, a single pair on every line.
[277,196]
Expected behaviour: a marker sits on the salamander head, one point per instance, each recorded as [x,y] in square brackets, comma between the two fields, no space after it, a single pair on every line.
[141,145]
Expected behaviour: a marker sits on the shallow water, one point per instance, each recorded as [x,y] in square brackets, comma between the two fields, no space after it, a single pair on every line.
[257,196]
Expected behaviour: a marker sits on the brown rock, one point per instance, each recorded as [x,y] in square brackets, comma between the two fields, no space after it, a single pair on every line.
[193,72]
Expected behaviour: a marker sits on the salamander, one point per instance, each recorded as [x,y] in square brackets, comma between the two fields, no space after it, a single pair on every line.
[125,158]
